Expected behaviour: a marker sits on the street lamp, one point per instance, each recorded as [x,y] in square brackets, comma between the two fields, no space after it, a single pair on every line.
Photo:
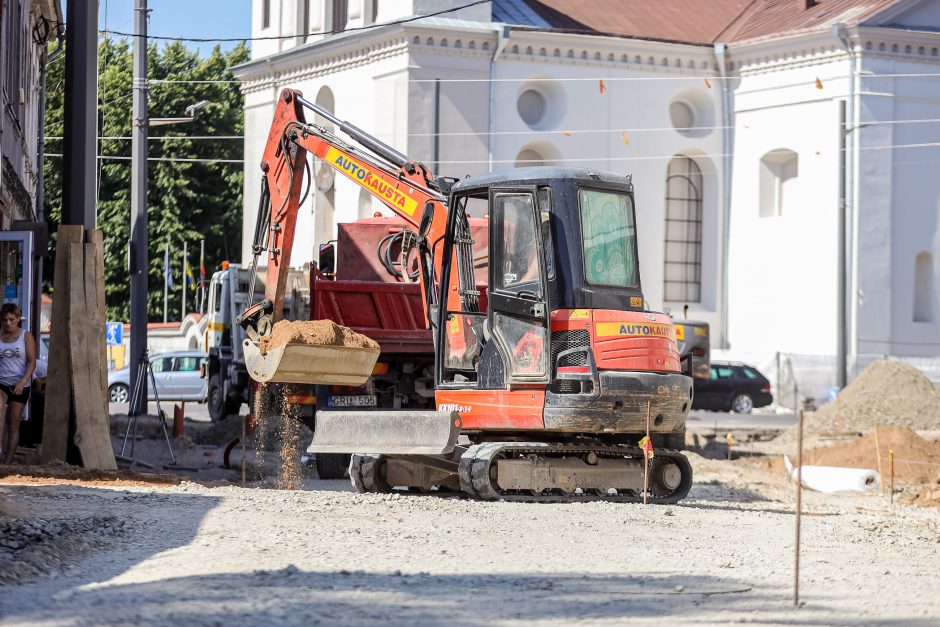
[192,112]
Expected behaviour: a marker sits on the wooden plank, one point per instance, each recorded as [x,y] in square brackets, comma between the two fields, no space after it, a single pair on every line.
[80,366]
[55,427]
[96,237]
[97,354]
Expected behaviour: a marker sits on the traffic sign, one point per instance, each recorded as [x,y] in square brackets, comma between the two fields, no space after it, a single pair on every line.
[114,333]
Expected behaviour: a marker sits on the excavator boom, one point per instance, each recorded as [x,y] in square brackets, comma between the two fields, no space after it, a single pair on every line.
[405,187]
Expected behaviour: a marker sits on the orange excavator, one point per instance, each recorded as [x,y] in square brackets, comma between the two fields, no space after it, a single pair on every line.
[546,378]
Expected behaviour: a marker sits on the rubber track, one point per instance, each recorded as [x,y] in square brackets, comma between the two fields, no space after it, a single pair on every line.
[363,473]
[476,462]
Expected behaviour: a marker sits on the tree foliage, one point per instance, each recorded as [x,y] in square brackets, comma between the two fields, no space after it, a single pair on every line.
[188,201]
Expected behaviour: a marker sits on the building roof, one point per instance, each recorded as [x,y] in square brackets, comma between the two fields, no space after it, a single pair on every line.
[688,21]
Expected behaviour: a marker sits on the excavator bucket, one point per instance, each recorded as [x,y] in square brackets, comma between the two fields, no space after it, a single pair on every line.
[385,432]
[310,363]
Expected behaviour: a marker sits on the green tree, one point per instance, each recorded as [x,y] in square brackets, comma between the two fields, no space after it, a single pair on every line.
[187,200]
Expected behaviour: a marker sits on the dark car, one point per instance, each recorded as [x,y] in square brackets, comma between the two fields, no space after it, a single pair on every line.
[732,387]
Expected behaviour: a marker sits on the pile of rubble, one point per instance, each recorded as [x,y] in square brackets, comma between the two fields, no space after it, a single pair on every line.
[34,546]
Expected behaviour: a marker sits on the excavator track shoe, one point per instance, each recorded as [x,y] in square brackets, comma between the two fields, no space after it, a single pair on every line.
[542,472]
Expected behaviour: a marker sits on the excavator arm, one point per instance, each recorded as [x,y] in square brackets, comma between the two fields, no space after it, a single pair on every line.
[404,186]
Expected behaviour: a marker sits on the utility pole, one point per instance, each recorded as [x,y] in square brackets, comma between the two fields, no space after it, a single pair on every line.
[138,258]
[841,297]
[80,158]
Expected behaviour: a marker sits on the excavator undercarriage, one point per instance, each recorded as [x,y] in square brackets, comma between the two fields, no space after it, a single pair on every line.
[531,472]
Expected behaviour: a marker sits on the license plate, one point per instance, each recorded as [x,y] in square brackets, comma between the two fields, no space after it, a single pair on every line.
[356,400]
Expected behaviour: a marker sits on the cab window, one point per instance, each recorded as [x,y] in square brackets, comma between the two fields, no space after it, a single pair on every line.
[609,235]
[518,264]
[545,213]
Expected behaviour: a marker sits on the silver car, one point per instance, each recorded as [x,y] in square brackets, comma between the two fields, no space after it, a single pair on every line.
[177,376]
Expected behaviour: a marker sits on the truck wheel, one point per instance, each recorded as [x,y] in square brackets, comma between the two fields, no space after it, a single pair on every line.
[332,465]
[219,405]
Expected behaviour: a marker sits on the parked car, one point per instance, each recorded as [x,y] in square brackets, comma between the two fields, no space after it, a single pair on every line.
[732,387]
[176,374]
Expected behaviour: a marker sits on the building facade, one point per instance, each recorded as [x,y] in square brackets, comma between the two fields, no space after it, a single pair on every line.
[26,28]
[726,113]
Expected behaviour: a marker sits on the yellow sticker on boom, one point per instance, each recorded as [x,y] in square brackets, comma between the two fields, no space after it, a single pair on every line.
[680,332]
[635,329]
[579,314]
[365,176]
[636,301]
[700,331]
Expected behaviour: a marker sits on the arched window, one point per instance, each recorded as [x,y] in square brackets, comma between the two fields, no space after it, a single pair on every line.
[683,250]
[923,287]
[778,168]
[325,197]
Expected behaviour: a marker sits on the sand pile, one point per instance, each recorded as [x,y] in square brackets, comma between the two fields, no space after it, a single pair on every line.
[916,460]
[886,393]
[317,332]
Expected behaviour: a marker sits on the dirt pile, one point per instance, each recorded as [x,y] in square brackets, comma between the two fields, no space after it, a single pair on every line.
[57,473]
[916,460]
[886,393]
[316,332]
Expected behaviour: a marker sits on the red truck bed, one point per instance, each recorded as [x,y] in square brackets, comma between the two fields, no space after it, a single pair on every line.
[389,313]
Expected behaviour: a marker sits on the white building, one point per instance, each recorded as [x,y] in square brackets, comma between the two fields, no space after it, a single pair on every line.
[726,113]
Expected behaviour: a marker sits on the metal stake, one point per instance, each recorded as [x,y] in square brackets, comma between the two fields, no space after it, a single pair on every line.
[891,471]
[646,457]
[799,509]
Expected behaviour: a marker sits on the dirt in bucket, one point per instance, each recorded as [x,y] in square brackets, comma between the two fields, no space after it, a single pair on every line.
[314,332]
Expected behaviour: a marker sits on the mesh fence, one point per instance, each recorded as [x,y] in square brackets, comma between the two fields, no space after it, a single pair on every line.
[808,381]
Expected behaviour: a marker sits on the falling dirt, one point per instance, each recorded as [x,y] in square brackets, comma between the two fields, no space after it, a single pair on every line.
[316,332]
[290,476]
[278,427]
[916,460]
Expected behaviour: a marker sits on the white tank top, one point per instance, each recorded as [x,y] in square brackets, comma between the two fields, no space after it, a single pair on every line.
[13,360]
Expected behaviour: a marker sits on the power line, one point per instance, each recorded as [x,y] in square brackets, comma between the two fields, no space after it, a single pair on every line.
[165,138]
[294,36]
[533,161]
[180,159]
[565,133]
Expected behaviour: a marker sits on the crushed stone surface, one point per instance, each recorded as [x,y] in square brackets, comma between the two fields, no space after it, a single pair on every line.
[317,332]
[197,555]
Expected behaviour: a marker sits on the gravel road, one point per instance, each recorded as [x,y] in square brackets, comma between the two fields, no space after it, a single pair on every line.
[197,555]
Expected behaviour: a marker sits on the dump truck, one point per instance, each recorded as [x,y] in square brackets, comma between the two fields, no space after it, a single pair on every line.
[228,384]
[546,379]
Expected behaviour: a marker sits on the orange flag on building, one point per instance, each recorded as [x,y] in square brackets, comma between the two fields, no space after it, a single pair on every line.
[602,87]
[625,137]
[819,84]
[708,83]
